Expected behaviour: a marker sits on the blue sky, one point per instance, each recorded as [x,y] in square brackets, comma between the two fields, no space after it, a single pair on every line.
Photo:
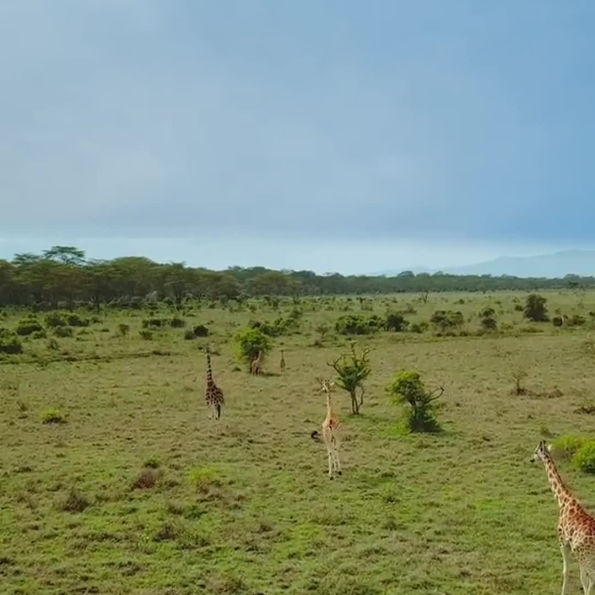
[336,135]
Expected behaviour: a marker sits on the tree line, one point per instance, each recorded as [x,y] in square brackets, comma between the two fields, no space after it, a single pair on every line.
[64,275]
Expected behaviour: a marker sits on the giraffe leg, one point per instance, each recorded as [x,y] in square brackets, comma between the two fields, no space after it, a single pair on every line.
[584,579]
[330,463]
[336,456]
[565,559]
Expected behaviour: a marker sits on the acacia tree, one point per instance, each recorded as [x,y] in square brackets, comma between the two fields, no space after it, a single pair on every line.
[352,370]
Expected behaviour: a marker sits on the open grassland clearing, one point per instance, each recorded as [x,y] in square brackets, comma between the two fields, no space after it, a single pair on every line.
[129,487]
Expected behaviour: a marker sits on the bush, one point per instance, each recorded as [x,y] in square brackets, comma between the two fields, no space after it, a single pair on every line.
[419,327]
[557,321]
[63,331]
[487,312]
[535,309]
[489,323]
[576,320]
[54,319]
[351,324]
[200,330]
[28,326]
[352,371]
[39,334]
[9,342]
[249,342]
[123,329]
[395,322]
[204,477]
[52,416]
[407,388]
[189,335]
[74,502]
[153,323]
[584,458]
[447,320]
[147,479]
[566,446]
[76,320]
[146,334]
[177,322]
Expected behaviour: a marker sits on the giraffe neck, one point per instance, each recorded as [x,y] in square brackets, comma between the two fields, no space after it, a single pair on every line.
[329,407]
[561,492]
[209,370]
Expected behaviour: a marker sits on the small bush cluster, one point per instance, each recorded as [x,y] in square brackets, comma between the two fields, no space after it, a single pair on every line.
[579,449]
[28,325]
[447,321]
[249,342]
[63,331]
[52,416]
[9,342]
[353,324]
[408,389]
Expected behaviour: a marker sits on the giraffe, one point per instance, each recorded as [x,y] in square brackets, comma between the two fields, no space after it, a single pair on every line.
[576,527]
[256,365]
[213,395]
[330,430]
[282,362]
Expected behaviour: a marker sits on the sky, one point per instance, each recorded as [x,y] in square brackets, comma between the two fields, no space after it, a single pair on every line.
[343,135]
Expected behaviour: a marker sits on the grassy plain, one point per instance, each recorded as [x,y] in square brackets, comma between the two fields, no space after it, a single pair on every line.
[244,505]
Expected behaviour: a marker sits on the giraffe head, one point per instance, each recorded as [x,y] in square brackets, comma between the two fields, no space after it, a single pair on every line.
[326,385]
[542,452]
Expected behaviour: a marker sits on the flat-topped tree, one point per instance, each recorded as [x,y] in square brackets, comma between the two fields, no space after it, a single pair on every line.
[352,370]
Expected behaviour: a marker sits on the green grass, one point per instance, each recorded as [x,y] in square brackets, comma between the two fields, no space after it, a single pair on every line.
[244,505]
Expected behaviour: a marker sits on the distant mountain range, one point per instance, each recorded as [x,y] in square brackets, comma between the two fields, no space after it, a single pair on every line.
[559,264]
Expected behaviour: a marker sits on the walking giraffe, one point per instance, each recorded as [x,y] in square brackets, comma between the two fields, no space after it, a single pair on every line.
[576,527]
[282,362]
[256,365]
[213,395]
[330,430]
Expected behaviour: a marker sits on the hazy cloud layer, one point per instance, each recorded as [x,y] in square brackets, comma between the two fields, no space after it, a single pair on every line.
[342,120]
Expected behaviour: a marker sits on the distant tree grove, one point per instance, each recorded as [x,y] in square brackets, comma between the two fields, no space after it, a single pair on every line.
[63,275]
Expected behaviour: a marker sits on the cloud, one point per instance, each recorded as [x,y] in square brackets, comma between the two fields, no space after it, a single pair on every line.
[156,119]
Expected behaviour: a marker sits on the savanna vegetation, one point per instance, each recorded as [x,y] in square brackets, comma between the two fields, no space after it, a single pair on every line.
[114,479]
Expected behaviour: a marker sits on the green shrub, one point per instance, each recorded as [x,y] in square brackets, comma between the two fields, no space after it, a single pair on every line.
[63,331]
[566,446]
[489,323]
[447,321]
[352,370]
[123,329]
[177,322]
[204,477]
[419,327]
[200,330]
[189,335]
[153,323]
[28,326]
[76,320]
[249,342]
[52,416]
[75,501]
[353,324]
[54,319]
[557,321]
[9,342]
[535,309]
[151,463]
[145,334]
[576,320]
[408,389]
[39,334]
[395,322]
[584,457]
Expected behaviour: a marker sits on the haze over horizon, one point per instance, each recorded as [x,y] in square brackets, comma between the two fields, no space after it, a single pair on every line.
[337,137]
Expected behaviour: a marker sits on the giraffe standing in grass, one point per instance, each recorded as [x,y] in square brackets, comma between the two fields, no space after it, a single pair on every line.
[213,395]
[282,362]
[330,430]
[576,527]
[256,365]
